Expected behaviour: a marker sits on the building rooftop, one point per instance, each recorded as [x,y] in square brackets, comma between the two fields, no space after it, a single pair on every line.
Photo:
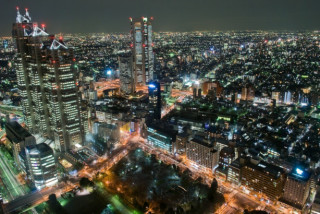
[263,166]
[202,142]
[165,130]
[41,148]
[299,174]
[183,134]
[19,132]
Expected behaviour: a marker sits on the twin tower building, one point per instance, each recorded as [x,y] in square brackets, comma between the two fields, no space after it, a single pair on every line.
[47,79]
[137,67]
[47,82]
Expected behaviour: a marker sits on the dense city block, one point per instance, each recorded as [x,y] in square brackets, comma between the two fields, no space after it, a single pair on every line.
[159,122]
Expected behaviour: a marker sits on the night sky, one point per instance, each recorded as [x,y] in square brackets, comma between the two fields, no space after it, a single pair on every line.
[71,16]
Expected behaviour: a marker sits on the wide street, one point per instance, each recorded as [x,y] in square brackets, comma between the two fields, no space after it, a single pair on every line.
[34,198]
[9,177]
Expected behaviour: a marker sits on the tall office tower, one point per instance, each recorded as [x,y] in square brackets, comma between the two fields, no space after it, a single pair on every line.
[29,69]
[155,100]
[62,96]
[142,49]
[47,84]
[127,80]
[42,166]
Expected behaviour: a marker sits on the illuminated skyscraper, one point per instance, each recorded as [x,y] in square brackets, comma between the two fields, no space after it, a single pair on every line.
[127,81]
[155,100]
[47,84]
[142,49]
[29,68]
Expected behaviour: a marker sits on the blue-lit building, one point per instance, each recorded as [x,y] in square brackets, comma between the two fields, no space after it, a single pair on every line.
[42,165]
[155,100]
[5,44]
[161,138]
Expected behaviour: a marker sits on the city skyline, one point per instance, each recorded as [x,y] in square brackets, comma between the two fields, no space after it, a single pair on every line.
[159,123]
[174,16]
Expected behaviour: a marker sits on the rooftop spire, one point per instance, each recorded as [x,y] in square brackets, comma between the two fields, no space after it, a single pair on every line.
[28,15]
[19,17]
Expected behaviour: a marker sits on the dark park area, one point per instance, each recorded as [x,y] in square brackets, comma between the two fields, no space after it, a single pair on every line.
[150,185]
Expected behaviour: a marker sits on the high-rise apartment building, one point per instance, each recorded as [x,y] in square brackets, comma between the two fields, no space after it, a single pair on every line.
[142,49]
[47,84]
